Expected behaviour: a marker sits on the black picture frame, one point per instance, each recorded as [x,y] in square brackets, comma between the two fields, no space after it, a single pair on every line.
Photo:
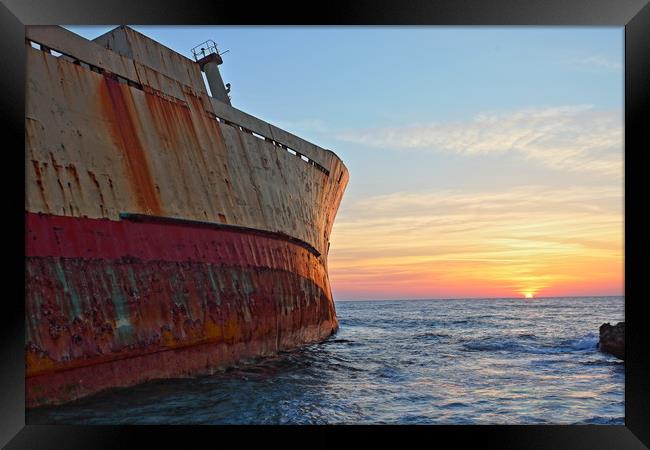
[634,15]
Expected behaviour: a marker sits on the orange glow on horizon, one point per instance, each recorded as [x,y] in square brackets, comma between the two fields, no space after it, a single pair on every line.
[520,242]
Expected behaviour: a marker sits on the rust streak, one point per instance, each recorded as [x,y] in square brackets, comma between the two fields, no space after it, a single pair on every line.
[73,170]
[99,190]
[126,136]
[39,183]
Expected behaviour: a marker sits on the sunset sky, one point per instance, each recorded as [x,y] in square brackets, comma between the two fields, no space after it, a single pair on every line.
[484,161]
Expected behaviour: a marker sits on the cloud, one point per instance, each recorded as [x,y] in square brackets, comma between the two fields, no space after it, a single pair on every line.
[599,62]
[457,243]
[569,138]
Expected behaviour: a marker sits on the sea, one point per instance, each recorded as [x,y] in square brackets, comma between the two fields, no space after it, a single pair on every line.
[459,361]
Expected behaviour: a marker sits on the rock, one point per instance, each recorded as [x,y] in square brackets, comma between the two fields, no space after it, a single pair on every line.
[612,339]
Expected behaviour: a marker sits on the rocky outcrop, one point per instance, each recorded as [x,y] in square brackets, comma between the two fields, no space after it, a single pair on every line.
[612,339]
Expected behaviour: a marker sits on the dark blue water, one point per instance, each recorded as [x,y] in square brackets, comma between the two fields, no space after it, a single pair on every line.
[486,361]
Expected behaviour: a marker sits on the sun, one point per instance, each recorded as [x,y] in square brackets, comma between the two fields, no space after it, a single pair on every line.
[528,295]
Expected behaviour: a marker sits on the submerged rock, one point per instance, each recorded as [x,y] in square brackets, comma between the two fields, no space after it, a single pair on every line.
[612,339]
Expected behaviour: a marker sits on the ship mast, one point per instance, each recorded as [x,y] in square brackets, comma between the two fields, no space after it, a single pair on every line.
[209,59]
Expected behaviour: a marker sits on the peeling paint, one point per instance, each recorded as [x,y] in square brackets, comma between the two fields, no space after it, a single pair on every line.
[135,296]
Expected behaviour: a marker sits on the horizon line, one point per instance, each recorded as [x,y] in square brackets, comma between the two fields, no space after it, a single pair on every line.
[476,298]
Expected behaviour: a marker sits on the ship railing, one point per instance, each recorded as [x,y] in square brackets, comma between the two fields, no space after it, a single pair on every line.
[86,65]
[271,141]
[204,49]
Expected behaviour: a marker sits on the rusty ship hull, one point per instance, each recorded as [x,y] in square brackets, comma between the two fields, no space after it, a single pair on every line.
[168,234]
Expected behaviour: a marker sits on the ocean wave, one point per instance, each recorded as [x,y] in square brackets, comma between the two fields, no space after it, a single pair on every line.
[604,362]
[492,345]
[431,334]
[526,336]
[589,342]
[598,420]
[454,405]
[586,343]
[336,341]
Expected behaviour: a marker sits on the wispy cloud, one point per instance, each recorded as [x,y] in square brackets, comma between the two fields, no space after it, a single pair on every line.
[599,62]
[570,138]
[454,243]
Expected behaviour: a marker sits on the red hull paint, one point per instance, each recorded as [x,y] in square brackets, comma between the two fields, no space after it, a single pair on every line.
[113,304]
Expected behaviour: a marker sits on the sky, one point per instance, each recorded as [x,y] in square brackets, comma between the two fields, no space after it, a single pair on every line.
[484,161]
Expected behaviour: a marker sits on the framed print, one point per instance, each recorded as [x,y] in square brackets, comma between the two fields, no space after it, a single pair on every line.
[380,219]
